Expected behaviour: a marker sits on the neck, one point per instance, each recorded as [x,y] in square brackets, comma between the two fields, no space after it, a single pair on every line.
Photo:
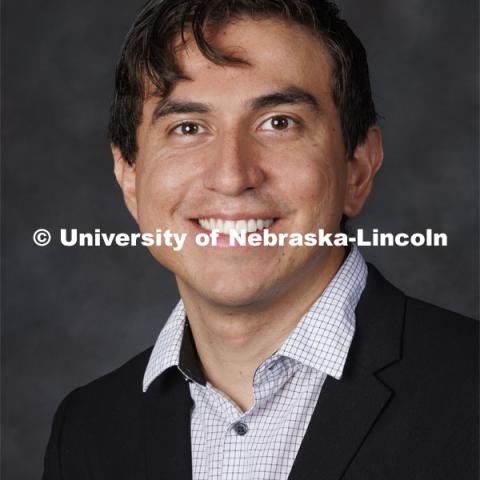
[232,342]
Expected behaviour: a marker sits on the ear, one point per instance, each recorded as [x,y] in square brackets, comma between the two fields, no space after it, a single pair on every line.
[361,170]
[125,175]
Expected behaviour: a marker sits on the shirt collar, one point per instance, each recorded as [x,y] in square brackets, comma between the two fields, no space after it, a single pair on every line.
[166,352]
[321,340]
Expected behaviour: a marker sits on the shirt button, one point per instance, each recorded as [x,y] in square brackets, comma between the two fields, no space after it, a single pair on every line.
[240,428]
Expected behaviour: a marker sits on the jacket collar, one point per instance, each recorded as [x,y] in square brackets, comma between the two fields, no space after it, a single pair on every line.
[166,410]
[347,409]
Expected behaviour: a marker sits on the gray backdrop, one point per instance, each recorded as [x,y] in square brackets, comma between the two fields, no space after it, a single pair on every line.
[72,314]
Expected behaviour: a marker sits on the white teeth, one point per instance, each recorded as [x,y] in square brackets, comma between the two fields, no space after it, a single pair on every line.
[264,223]
[241,225]
[225,226]
[204,223]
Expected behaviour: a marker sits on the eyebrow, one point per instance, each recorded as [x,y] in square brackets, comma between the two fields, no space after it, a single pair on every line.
[171,107]
[291,95]
[288,96]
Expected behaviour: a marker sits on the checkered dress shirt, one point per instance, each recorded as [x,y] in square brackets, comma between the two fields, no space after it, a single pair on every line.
[262,443]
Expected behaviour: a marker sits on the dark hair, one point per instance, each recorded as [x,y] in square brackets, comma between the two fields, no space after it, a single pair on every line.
[148,54]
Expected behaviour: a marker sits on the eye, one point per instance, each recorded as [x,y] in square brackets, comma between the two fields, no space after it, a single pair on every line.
[188,128]
[279,123]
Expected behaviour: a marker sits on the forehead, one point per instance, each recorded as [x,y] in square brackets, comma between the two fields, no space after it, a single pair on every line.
[276,53]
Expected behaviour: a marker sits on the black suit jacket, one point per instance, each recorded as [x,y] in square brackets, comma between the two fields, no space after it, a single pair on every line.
[406,408]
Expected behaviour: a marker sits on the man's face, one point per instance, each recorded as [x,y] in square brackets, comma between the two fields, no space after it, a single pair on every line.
[254,144]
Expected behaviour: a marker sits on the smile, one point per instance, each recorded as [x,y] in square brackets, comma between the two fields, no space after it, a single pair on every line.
[243,225]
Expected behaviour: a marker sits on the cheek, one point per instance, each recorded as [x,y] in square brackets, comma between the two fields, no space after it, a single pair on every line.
[330,192]
[162,183]
[317,185]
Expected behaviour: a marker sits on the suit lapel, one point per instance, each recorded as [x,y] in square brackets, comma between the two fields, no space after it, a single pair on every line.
[348,408]
[166,428]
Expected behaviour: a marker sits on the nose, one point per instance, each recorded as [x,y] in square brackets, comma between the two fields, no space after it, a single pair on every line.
[235,167]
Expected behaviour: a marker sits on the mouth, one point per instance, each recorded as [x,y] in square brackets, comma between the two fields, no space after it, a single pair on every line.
[223,226]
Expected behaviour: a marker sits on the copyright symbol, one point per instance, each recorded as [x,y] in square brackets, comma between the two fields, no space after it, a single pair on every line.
[42,237]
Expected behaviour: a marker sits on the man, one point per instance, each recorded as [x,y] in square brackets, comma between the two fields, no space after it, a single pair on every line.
[279,362]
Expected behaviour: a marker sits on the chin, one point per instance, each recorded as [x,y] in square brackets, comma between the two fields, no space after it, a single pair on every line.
[234,294]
